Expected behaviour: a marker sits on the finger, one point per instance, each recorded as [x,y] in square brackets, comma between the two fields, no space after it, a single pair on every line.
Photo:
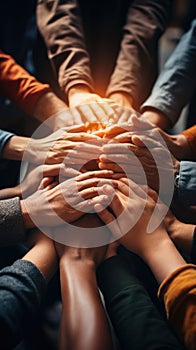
[108,110]
[99,112]
[48,185]
[137,141]
[94,174]
[113,131]
[108,219]
[53,169]
[77,118]
[141,123]
[119,148]
[87,114]
[111,166]
[83,136]
[94,182]
[124,137]
[44,183]
[87,206]
[125,115]
[97,191]
[71,172]
[81,128]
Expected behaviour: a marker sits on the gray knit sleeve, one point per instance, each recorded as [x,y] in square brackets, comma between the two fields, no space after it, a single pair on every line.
[12,228]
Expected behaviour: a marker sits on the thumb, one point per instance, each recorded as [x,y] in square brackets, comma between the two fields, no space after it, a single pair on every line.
[137,141]
[108,219]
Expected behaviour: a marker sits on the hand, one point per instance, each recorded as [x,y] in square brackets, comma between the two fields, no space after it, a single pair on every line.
[122,98]
[90,256]
[55,147]
[152,165]
[91,107]
[34,177]
[132,154]
[131,228]
[177,144]
[66,202]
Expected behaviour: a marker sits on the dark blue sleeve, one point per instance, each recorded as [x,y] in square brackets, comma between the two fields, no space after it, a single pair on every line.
[22,287]
[187,183]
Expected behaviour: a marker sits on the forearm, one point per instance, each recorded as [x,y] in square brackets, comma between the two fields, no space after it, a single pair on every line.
[70,58]
[15,147]
[126,298]
[22,289]
[10,192]
[178,293]
[157,261]
[136,66]
[176,83]
[49,105]
[157,118]
[82,308]
[44,257]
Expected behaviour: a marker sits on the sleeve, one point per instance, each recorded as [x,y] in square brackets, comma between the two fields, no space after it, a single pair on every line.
[193,248]
[60,25]
[18,85]
[4,137]
[137,63]
[137,322]
[190,134]
[178,291]
[22,287]
[12,229]
[187,183]
[176,83]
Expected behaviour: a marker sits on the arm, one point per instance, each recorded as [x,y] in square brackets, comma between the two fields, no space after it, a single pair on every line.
[160,254]
[12,228]
[23,286]
[178,293]
[26,91]
[67,50]
[131,310]
[83,315]
[136,65]
[175,85]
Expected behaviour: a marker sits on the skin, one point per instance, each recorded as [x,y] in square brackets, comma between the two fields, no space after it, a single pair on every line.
[153,247]
[83,316]
[53,148]
[68,200]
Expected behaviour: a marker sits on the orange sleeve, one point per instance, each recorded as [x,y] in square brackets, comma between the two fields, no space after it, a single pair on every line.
[179,294]
[190,134]
[18,85]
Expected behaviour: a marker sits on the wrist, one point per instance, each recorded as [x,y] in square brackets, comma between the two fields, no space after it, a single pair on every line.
[48,105]
[15,147]
[163,259]
[43,256]
[69,262]
[78,89]
[28,223]
[183,145]
[157,118]
[122,98]
[10,192]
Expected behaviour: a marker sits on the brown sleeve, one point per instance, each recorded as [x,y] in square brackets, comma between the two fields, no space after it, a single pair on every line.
[61,27]
[179,294]
[190,134]
[18,85]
